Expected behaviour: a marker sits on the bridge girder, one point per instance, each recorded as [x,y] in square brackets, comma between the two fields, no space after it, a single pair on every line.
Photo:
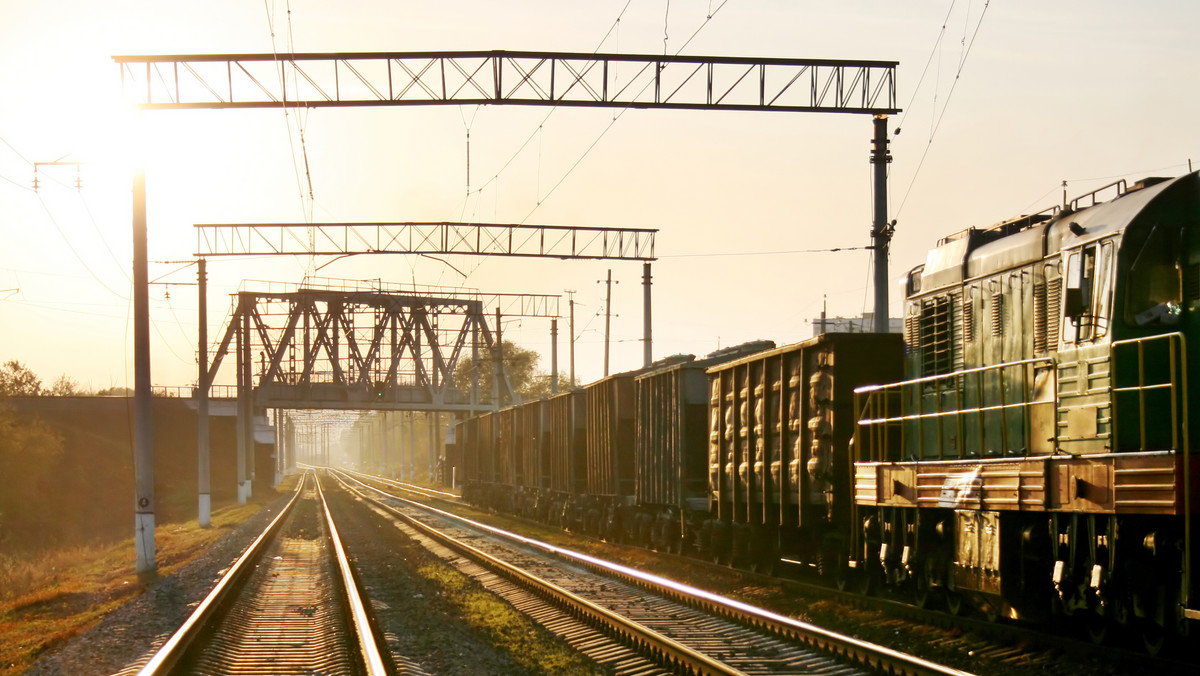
[356,350]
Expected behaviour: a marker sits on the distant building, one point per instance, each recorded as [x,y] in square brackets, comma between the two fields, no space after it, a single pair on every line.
[863,324]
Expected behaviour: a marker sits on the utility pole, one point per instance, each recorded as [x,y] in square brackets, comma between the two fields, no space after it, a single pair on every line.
[143,427]
[607,315]
[554,355]
[647,339]
[497,366]
[571,304]
[204,489]
[881,230]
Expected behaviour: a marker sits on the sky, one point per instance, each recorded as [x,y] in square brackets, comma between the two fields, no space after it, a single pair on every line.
[1002,102]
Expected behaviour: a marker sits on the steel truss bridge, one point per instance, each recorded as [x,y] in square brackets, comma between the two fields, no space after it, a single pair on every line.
[339,349]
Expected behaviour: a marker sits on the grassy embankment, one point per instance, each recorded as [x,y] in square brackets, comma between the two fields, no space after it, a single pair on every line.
[50,597]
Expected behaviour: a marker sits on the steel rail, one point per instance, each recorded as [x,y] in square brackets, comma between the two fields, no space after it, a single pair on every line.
[633,634]
[368,646]
[876,656]
[173,651]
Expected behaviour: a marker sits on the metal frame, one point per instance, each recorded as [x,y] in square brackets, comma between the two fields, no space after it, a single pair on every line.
[312,80]
[480,239]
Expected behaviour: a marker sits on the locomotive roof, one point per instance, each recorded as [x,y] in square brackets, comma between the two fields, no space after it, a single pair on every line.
[978,252]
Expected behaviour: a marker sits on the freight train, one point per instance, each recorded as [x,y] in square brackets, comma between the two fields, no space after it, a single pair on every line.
[1022,449]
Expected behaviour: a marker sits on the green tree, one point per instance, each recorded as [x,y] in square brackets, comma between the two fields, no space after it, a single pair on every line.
[16,380]
[65,386]
[541,386]
[29,451]
[519,365]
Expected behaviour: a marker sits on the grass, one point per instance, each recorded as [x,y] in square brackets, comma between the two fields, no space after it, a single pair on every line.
[50,597]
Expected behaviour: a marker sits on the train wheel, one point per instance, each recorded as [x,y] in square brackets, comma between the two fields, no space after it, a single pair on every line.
[843,575]
[1096,627]
[865,579]
[1154,637]
[955,601]
[922,584]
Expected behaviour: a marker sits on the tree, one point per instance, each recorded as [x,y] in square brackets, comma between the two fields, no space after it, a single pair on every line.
[541,386]
[29,450]
[519,366]
[64,386]
[16,380]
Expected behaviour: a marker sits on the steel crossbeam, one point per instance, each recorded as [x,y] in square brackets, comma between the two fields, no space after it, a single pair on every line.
[480,239]
[526,78]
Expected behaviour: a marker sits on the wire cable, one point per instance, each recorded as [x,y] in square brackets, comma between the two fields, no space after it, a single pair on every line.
[945,106]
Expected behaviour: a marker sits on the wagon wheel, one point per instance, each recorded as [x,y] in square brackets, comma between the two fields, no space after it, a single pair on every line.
[1154,637]
[1153,633]
[1096,626]
[955,600]
[922,583]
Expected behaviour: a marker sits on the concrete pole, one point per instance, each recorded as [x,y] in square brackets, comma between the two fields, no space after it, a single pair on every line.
[607,317]
[477,313]
[242,423]
[204,487]
[497,364]
[554,355]
[881,232]
[412,445]
[647,334]
[143,428]
[571,303]
[430,418]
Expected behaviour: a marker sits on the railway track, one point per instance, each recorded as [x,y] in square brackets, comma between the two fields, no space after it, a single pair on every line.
[631,622]
[289,604]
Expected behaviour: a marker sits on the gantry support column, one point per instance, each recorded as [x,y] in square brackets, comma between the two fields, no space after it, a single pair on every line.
[204,487]
[647,337]
[143,428]
[881,230]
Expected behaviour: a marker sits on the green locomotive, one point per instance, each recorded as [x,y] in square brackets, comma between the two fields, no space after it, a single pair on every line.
[1038,461]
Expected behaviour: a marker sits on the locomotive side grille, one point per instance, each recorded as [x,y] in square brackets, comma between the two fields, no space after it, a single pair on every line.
[1191,282]
[997,314]
[936,336]
[968,319]
[912,331]
[1039,317]
[1053,300]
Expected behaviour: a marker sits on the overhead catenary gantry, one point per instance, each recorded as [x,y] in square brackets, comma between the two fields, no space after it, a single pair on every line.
[509,77]
[479,239]
[217,81]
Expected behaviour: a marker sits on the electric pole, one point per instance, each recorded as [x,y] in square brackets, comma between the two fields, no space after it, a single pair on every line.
[607,315]
[571,304]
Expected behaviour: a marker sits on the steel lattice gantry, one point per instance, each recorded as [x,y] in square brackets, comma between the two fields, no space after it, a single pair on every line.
[353,350]
[528,78]
[482,239]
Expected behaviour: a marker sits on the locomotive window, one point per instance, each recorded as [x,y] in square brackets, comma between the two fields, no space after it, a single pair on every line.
[1104,284]
[1155,285]
[1081,276]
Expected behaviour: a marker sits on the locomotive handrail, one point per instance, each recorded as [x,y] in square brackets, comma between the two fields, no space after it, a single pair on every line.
[1177,384]
[882,397]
